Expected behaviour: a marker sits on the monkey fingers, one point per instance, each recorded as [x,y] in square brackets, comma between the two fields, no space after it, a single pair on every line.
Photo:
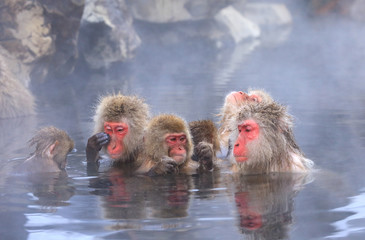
[169,165]
[102,139]
[205,154]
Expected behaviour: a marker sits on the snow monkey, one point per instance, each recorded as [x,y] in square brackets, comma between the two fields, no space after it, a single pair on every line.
[262,139]
[206,143]
[15,99]
[168,147]
[232,104]
[51,148]
[120,122]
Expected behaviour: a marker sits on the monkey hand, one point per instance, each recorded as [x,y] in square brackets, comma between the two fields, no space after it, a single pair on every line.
[165,166]
[94,145]
[204,154]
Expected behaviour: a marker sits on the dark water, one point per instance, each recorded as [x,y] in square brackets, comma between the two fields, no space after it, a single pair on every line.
[318,70]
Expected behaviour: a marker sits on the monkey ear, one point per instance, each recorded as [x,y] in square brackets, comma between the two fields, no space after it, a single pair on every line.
[50,152]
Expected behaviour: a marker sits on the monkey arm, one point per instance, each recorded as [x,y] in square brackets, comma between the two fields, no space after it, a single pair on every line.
[204,154]
[165,166]
[94,145]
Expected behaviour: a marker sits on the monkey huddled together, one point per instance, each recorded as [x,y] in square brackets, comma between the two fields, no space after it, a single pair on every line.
[256,130]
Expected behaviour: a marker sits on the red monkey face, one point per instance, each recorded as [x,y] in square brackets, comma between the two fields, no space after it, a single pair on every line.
[248,131]
[117,132]
[237,98]
[176,143]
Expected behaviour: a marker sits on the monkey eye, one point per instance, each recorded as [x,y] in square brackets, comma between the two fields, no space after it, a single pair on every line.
[248,128]
[108,129]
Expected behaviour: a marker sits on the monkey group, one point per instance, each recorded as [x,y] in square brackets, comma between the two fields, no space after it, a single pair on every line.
[256,130]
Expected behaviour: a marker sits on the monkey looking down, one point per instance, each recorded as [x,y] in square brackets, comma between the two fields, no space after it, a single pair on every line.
[263,142]
[168,147]
[51,148]
[259,131]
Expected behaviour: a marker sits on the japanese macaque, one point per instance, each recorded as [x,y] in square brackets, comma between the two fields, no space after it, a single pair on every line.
[15,99]
[120,122]
[206,143]
[51,148]
[262,140]
[168,147]
[233,102]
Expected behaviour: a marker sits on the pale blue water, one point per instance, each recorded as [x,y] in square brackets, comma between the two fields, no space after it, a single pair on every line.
[318,71]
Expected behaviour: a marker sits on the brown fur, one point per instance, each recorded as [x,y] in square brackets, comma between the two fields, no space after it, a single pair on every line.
[155,148]
[275,150]
[51,148]
[15,99]
[205,131]
[129,109]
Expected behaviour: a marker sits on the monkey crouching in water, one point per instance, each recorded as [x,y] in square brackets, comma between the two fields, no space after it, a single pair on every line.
[206,144]
[120,122]
[168,147]
[263,142]
[51,148]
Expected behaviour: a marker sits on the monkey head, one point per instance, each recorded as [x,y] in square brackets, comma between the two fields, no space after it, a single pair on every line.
[52,146]
[124,119]
[258,137]
[168,135]
[237,99]
[233,102]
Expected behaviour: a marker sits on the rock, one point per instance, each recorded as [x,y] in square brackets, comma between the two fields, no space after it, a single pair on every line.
[239,27]
[107,34]
[42,34]
[357,10]
[266,14]
[25,32]
[167,11]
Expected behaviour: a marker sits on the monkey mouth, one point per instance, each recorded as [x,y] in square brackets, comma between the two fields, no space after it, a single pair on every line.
[240,158]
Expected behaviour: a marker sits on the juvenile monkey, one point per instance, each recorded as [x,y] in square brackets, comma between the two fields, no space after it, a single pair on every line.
[51,148]
[206,143]
[119,128]
[261,134]
[168,147]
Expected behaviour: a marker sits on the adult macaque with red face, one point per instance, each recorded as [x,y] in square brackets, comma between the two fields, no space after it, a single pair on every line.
[233,102]
[168,147]
[119,128]
[263,142]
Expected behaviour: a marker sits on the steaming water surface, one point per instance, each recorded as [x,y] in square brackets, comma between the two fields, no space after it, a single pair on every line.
[318,71]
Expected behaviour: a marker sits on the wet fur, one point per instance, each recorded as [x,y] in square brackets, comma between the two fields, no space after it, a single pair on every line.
[40,160]
[275,150]
[15,99]
[129,109]
[155,148]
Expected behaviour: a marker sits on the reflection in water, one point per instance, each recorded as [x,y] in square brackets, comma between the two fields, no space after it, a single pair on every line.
[265,204]
[21,196]
[355,222]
